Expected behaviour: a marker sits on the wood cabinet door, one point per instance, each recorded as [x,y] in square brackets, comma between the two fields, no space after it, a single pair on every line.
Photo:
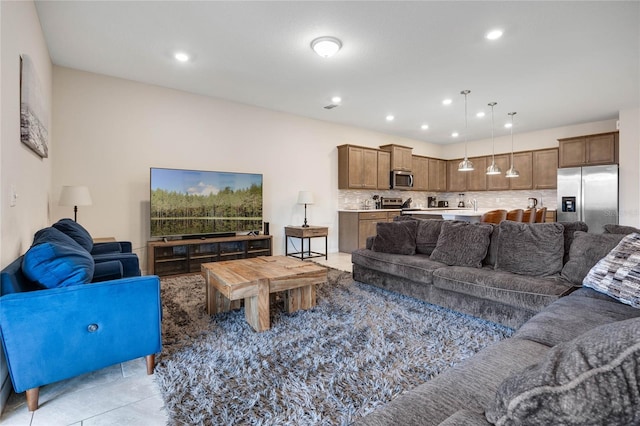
[572,152]
[420,170]
[406,158]
[384,168]
[366,228]
[499,182]
[437,180]
[601,149]
[545,169]
[370,170]
[456,181]
[356,166]
[523,163]
[477,178]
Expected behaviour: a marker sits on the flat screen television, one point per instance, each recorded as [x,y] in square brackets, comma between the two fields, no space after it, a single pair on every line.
[192,203]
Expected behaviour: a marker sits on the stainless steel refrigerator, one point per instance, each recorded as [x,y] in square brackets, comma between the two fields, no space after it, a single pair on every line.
[589,194]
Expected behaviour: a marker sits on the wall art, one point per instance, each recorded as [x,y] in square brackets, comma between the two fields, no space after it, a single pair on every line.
[34,112]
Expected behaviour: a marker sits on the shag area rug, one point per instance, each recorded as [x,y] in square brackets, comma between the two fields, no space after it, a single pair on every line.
[357,349]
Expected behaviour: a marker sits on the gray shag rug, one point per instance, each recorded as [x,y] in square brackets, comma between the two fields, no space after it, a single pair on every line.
[356,350]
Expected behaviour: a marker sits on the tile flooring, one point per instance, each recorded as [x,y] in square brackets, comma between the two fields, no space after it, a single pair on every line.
[122,394]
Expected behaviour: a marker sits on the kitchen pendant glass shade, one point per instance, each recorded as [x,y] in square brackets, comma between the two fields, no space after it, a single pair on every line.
[512,172]
[493,169]
[465,165]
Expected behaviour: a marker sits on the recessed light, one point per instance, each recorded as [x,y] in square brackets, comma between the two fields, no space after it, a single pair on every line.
[455,134]
[390,117]
[336,99]
[480,114]
[494,34]
[181,57]
[507,125]
[447,102]
[424,126]
[326,46]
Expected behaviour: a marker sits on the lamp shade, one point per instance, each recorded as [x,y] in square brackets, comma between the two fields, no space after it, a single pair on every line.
[75,196]
[305,197]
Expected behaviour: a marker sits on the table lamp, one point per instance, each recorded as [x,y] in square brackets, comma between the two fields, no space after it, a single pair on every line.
[75,196]
[305,197]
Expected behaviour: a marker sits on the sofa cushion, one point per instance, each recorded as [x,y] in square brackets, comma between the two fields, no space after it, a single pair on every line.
[418,268]
[462,244]
[427,235]
[586,250]
[396,237]
[532,293]
[530,249]
[573,315]
[618,274]
[569,229]
[619,229]
[590,380]
[492,251]
[74,230]
[56,260]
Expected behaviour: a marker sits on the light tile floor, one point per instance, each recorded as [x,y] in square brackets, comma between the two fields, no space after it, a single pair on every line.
[122,394]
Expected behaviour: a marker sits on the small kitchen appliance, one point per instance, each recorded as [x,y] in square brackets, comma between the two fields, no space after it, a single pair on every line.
[532,203]
[431,202]
[443,204]
[401,180]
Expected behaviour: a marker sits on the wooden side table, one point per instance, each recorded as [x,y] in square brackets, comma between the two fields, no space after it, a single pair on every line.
[306,233]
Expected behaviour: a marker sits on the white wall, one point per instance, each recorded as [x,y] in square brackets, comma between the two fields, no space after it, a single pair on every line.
[629,170]
[111,131]
[20,33]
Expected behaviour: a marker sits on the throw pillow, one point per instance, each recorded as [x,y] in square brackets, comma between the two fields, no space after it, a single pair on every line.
[590,380]
[618,273]
[56,260]
[534,249]
[396,237]
[76,231]
[569,229]
[586,250]
[427,235]
[462,244]
[620,229]
[492,251]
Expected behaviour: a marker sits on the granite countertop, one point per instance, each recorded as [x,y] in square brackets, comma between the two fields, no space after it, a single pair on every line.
[433,210]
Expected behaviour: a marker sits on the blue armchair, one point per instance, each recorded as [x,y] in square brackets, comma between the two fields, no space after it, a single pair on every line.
[54,324]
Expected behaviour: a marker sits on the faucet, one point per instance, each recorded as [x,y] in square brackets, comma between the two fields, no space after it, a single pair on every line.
[474,203]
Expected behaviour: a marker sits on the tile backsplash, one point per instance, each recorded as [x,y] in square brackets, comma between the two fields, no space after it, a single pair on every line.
[355,199]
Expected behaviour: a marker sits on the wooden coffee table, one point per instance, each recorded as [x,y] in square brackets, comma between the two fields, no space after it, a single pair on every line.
[230,281]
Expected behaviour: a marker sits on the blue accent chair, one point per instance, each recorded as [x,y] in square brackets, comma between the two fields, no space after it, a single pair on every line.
[52,334]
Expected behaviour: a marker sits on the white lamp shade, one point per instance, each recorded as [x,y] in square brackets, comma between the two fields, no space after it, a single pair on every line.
[305,197]
[75,196]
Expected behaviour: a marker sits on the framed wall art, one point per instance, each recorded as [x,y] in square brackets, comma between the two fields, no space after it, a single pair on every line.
[34,112]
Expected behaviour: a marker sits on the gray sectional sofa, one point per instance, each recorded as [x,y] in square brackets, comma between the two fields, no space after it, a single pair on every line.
[575,357]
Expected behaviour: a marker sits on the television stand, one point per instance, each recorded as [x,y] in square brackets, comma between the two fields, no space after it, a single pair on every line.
[185,256]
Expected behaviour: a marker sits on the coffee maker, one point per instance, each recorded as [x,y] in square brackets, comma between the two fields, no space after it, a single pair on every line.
[431,202]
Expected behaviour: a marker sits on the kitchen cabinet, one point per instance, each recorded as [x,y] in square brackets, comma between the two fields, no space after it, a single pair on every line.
[437,175]
[384,169]
[357,167]
[545,169]
[523,163]
[354,227]
[589,150]
[401,157]
[499,182]
[456,181]
[420,170]
[477,178]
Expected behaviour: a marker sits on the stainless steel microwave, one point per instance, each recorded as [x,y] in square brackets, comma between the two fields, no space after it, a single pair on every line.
[401,180]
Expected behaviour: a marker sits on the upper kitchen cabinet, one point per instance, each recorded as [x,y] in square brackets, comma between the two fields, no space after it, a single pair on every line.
[589,150]
[523,163]
[437,180]
[384,168]
[357,167]
[456,181]
[499,182]
[401,157]
[477,178]
[545,169]
[420,170]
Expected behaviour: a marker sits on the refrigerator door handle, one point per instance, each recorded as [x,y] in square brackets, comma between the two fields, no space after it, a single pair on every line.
[581,201]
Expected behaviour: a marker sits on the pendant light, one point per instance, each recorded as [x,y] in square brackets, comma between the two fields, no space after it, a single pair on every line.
[465,165]
[512,173]
[493,169]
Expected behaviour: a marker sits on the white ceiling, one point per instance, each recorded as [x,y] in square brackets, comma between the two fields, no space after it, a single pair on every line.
[558,63]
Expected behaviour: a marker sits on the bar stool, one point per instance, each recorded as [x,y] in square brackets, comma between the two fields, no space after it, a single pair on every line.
[494,216]
[541,215]
[529,215]
[515,215]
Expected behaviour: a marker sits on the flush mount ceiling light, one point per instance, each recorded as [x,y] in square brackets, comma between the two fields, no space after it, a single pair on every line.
[465,165]
[326,46]
[390,117]
[181,57]
[480,114]
[494,34]
[447,102]
[493,169]
[336,99]
[424,126]
[512,172]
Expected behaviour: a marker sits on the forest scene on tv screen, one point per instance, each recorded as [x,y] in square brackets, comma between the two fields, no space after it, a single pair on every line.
[190,202]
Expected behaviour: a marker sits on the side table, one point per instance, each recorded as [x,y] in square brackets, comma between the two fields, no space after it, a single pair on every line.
[306,233]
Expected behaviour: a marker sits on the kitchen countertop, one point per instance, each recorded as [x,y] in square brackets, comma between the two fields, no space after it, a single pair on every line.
[436,210]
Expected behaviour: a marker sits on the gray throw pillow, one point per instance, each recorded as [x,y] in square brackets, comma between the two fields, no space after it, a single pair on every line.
[586,250]
[569,230]
[427,235]
[534,249]
[590,380]
[620,229]
[618,274]
[462,244]
[396,237]
[492,251]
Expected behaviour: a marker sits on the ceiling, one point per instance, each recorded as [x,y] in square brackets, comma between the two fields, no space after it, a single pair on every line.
[557,64]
